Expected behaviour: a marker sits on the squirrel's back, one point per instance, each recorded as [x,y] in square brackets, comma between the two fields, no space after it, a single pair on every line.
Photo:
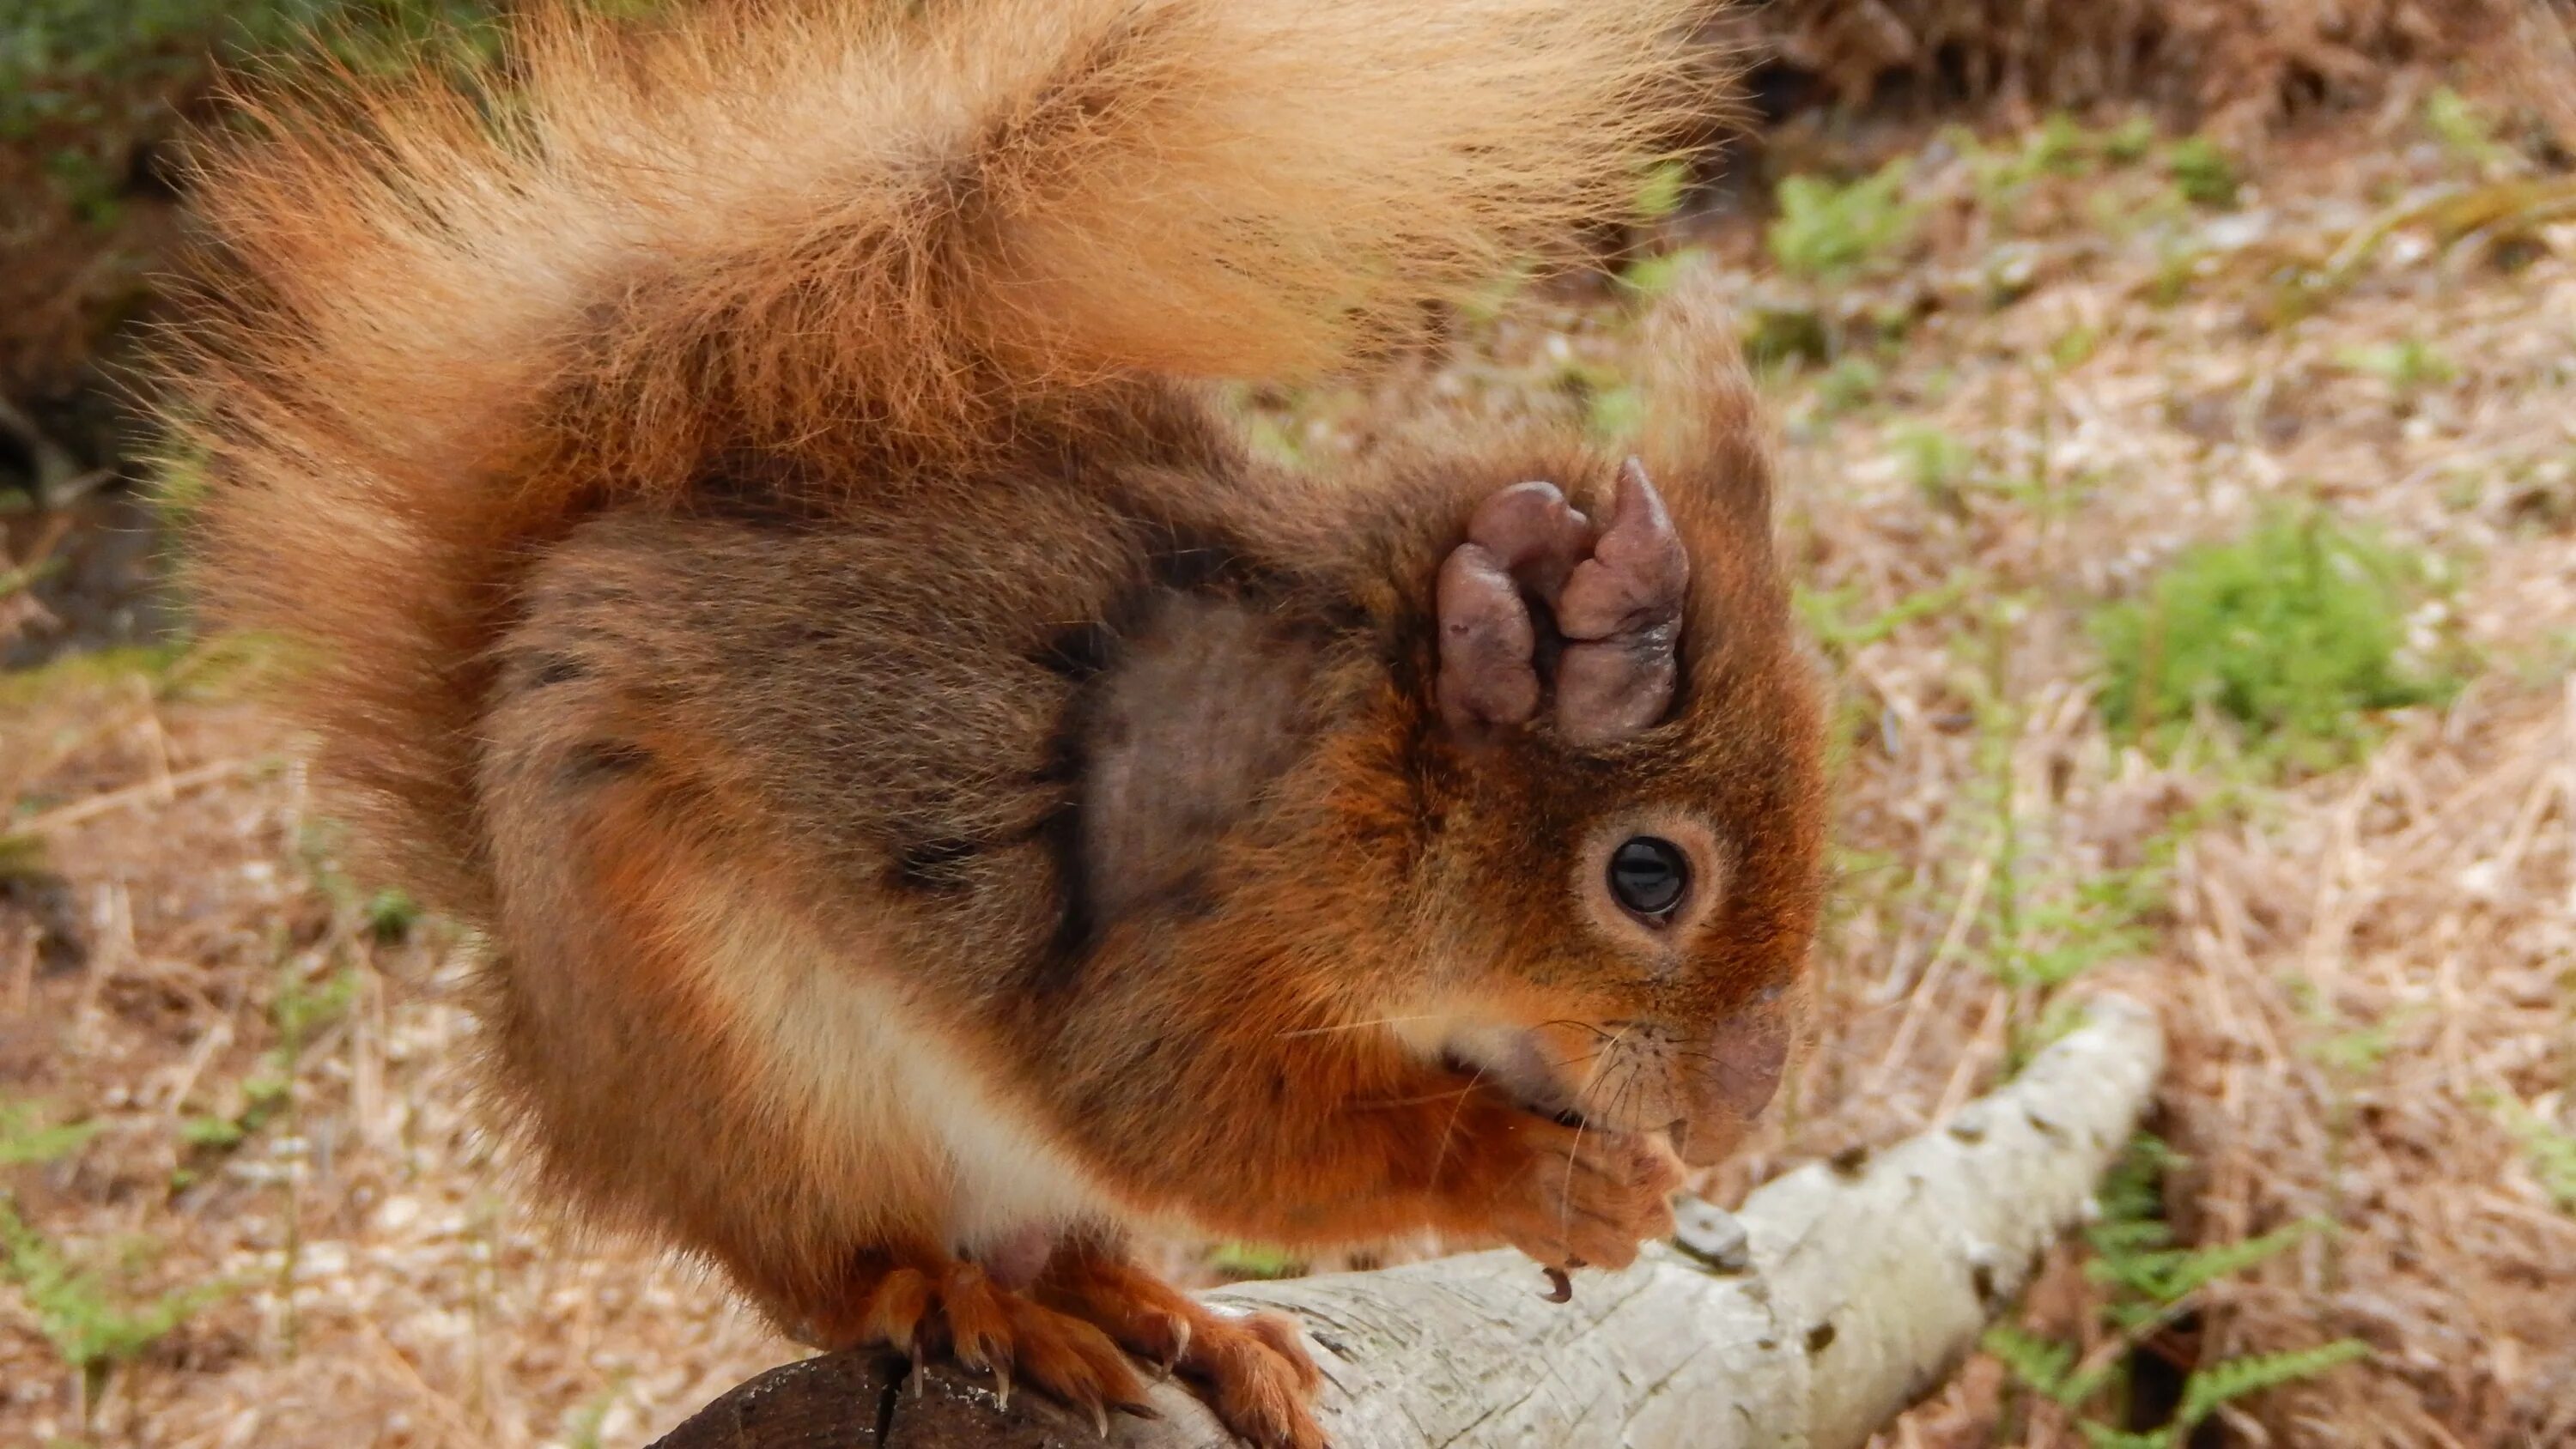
[437,320]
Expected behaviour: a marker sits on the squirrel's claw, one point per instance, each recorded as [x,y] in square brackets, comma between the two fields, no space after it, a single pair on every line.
[954,1311]
[1250,1367]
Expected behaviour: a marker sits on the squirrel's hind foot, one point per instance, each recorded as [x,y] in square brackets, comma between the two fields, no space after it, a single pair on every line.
[946,1310]
[1250,1368]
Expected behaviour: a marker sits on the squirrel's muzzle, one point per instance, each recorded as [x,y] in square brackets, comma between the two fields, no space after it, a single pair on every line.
[1734,1081]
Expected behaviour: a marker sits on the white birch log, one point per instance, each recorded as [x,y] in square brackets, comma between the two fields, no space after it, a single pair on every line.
[1842,1293]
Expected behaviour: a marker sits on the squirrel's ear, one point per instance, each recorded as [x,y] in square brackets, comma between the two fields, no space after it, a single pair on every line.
[1526,537]
[1703,422]
[1621,615]
[1615,599]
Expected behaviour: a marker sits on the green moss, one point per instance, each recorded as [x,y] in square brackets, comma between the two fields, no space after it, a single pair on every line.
[1828,230]
[2295,633]
[2202,171]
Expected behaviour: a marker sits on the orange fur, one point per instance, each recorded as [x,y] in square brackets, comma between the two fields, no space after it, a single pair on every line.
[760,548]
[437,323]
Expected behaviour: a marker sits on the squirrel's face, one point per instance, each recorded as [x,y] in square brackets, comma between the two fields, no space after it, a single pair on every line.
[1625,888]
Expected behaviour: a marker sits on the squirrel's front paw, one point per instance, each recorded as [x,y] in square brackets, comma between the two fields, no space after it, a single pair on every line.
[1584,1197]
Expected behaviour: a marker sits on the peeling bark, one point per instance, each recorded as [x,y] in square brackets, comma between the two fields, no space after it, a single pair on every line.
[1842,1293]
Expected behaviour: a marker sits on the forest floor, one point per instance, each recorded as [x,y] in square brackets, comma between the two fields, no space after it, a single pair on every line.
[2190,539]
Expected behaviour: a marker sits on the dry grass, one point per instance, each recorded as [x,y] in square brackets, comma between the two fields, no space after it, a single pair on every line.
[2366,968]
[2241,65]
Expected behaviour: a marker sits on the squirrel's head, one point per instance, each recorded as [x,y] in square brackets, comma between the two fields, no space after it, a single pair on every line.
[1621,775]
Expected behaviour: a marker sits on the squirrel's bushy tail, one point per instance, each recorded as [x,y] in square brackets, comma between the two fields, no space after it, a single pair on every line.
[437,320]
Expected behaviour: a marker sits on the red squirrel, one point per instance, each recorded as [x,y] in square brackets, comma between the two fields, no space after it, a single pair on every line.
[749,493]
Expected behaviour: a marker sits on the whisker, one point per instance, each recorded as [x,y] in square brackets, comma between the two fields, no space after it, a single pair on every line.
[1610,1051]
[1579,1025]
[1565,1198]
[1605,1058]
[1450,1128]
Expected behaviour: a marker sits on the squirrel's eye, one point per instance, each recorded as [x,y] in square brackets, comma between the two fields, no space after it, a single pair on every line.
[1648,875]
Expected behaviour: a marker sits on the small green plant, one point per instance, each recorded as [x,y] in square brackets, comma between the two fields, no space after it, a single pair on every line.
[2060,147]
[300,1007]
[1661,193]
[1649,277]
[1848,386]
[2295,633]
[2149,1285]
[2074,347]
[1253,1260]
[2408,366]
[2178,262]
[2351,1056]
[1778,335]
[1616,415]
[1613,408]
[91,1326]
[2551,1151]
[2462,128]
[264,1096]
[1486,302]
[389,916]
[1829,230]
[1938,464]
[2202,171]
[2041,925]
[26,1141]
[1273,439]
[2128,143]
[1830,614]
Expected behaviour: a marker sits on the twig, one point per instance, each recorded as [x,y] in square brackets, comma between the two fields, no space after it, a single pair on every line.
[1935,976]
[161,790]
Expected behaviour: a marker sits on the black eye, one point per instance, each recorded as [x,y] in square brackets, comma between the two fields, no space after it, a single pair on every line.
[1648,876]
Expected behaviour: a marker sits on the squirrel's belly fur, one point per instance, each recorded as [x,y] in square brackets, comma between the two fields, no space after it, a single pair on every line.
[887,1106]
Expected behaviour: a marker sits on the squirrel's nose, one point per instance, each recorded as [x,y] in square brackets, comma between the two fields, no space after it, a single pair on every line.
[1746,1055]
